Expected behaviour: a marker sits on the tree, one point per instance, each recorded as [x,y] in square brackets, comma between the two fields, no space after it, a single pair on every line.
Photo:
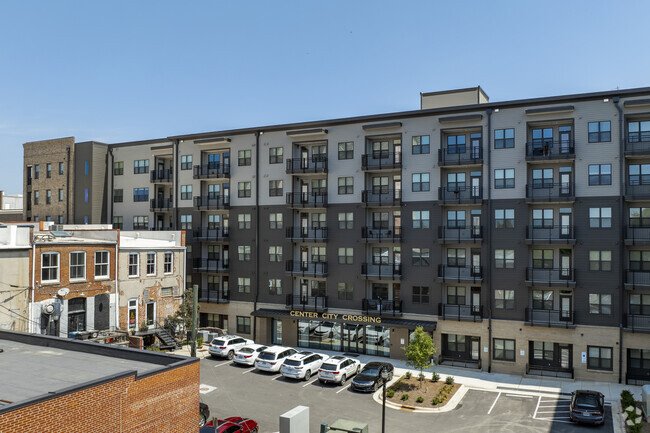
[181,321]
[419,351]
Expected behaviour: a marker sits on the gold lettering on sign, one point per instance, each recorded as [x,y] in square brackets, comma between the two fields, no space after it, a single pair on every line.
[330,316]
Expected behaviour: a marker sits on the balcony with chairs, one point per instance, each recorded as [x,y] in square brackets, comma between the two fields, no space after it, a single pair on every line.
[206,234]
[306,200]
[460,194]
[637,279]
[550,193]
[636,322]
[550,318]
[545,150]
[212,171]
[458,235]
[306,303]
[460,273]
[389,234]
[635,235]
[212,202]
[161,204]
[560,234]
[306,268]
[214,265]
[460,313]
[470,157]
[382,307]
[381,271]
[161,176]
[551,277]
[307,234]
[387,197]
[213,294]
[315,164]
[381,160]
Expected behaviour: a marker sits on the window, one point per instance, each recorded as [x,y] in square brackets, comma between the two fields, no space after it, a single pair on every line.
[599,358]
[86,195]
[275,220]
[186,192]
[543,259]
[151,263]
[140,194]
[600,303]
[346,220]
[421,145]
[639,260]
[141,166]
[275,155]
[504,178]
[420,219]
[380,220]
[420,295]
[542,299]
[49,267]
[420,182]
[543,218]
[504,218]
[455,343]
[504,138]
[456,295]
[543,178]
[118,222]
[504,350]
[420,256]
[186,222]
[345,291]
[639,174]
[244,158]
[86,168]
[504,259]
[61,168]
[600,132]
[166,291]
[318,221]
[118,168]
[638,131]
[101,264]
[60,219]
[60,194]
[118,195]
[243,189]
[601,174]
[456,182]
[456,257]
[244,285]
[275,188]
[275,254]
[168,264]
[318,254]
[244,221]
[380,185]
[134,264]
[243,325]
[48,196]
[504,299]
[275,286]
[456,219]
[346,150]
[639,216]
[346,185]
[456,144]
[244,252]
[346,256]
[600,260]
[141,222]
[640,304]
[35,198]
[543,350]
[186,162]
[600,217]
[48,170]
[77,265]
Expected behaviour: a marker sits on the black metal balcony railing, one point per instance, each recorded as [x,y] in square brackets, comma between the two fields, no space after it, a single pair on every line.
[551,233]
[551,192]
[306,303]
[544,150]
[464,313]
[306,268]
[211,264]
[306,200]
[316,234]
[313,164]
[210,202]
[208,234]
[635,190]
[637,277]
[381,161]
[161,176]
[460,234]
[470,156]
[382,307]
[381,270]
[637,376]
[549,371]
[471,273]
[459,360]
[214,295]
[460,194]
[161,204]
[386,197]
[637,322]
[389,234]
[550,276]
[635,234]
[638,143]
[550,318]
[212,171]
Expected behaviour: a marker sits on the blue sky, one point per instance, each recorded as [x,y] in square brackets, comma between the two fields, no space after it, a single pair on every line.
[130,70]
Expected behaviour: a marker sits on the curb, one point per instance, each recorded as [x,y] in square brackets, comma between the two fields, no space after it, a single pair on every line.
[451,404]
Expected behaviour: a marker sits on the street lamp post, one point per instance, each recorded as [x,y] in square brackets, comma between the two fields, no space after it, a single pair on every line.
[384,377]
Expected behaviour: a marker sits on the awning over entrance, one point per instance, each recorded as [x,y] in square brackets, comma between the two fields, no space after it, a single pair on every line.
[345,318]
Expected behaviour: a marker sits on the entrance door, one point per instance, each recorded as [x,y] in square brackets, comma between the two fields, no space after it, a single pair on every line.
[565,184]
[304,158]
[475,189]
[476,226]
[304,258]
[397,188]
[565,356]
[133,313]
[398,153]
[304,224]
[225,255]
[304,192]
[565,225]
[226,193]
[151,314]
[565,140]
[565,264]
[226,228]
[353,337]
[476,301]
[226,163]
[565,308]
[475,147]
[161,168]
[476,262]
[304,290]
[397,223]
[397,261]
[475,348]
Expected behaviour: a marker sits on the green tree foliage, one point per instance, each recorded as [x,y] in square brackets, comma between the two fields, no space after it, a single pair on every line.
[419,351]
[181,321]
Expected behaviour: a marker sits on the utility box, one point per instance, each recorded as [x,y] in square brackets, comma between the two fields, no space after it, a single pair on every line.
[347,426]
[645,400]
[295,421]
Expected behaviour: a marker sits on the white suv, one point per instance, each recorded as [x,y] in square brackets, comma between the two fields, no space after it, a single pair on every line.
[338,369]
[226,345]
[302,365]
[273,357]
[248,354]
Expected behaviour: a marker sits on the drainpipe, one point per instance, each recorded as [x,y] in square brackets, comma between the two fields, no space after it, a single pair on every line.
[67,184]
[33,288]
[257,228]
[175,201]
[489,234]
[621,218]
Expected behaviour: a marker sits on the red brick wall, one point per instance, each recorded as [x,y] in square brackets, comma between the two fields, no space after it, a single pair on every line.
[165,305]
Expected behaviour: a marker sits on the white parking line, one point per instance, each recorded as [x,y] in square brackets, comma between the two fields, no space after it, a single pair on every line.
[344,388]
[223,363]
[537,408]
[519,396]
[493,404]
[555,420]
[277,377]
[309,383]
[248,371]
[552,411]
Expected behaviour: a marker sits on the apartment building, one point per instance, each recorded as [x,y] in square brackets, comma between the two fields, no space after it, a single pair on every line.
[515,231]
[15,253]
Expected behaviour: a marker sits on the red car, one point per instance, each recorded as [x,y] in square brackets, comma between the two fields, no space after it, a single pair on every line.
[234,424]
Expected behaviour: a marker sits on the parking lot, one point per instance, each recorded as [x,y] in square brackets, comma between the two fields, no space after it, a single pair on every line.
[232,390]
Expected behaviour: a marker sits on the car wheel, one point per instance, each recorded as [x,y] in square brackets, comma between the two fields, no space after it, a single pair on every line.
[254,430]
[343,379]
[202,421]
[231,355]
[307,374]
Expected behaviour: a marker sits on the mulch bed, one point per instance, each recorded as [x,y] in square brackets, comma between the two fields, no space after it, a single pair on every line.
[427,391]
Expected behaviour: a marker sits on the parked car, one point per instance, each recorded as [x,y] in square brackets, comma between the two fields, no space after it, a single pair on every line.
[204,414]
[233,424]
[587,407]
[370,378]
[302,365]
[338,369]
[273,357]
[226,345]
[248,354]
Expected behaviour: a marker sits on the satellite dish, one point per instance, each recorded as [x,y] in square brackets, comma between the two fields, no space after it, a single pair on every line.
[62,292]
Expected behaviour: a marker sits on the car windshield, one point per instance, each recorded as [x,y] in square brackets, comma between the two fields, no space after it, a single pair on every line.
[267,356]
[293,362]
[246,350]
[587,401]
[372,371]
[330,367]
[218,343]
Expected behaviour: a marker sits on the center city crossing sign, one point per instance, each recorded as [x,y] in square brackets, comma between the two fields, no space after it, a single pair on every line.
[331,316]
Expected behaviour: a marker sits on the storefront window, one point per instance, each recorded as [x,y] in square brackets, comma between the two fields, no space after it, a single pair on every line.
[346,337]
[277,331]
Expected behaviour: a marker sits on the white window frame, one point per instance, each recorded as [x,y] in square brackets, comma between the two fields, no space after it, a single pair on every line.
[168,263]
[70,266]
[57,267]
[149,255]
[107,263]
[136,264]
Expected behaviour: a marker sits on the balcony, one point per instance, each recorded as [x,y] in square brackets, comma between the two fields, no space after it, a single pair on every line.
[388,197]
[637,192]
[380,307]
[637,322]
[543,151]
[550,235]
[459,274]
[306,303]
[637,279]
[549,371]
[551,193]
[460,194]
[471,157]
[306,200]
[161,176]
[390,234]
[306,268]
[212,171]
[461,313]
[456,235]
[316,164]
[637,235]
[381,161]
[637,144]
[551,277]
[214,265]
[219,234]
[305,234]
[212,202]
[381,271]
[550,318]
[462,360]
[161,204]
[214,295]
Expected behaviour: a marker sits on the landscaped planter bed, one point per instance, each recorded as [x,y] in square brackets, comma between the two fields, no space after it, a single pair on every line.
[428,391]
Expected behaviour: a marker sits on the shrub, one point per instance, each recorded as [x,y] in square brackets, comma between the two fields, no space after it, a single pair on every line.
[449,380]
[436,401]
[390,393]
[435,376]
[421,377]
[627,399]
[420,400]
[408,375]
[405,397]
